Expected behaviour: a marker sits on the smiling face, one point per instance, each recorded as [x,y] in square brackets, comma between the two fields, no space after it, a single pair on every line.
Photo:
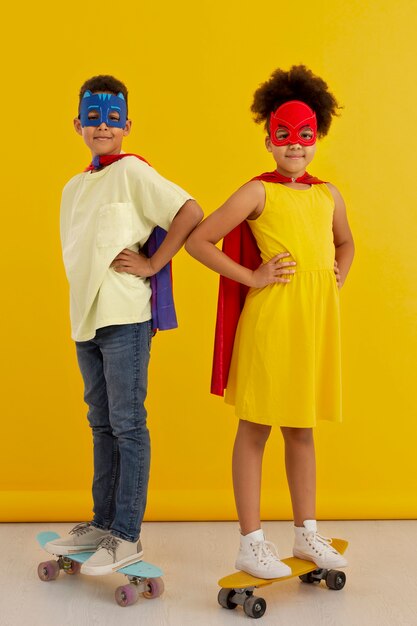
[291,159]
[102,123]
[292,138]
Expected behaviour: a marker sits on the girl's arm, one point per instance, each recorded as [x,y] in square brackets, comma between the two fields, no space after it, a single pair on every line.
[187,218]
[342,236]
[246,202]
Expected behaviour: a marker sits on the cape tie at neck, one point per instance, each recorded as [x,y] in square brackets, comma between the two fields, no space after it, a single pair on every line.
[276,177]
[107,159]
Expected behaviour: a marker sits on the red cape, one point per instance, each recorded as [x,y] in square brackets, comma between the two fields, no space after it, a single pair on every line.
[240,245]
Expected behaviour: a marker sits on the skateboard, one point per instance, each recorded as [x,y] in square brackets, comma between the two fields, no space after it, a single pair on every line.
[238,588]
[143,577]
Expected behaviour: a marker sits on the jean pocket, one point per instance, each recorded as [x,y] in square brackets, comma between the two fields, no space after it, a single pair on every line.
[151,333]
[115,224]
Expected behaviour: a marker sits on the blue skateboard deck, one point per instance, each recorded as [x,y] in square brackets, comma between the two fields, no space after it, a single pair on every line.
[144,577]
[140,569]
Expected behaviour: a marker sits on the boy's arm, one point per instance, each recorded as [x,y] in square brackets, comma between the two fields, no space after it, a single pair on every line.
[342,236]
[187,218]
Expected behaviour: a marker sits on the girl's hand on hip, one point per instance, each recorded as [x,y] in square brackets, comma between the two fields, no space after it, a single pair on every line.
[337,274]
[134,263]
[274,271]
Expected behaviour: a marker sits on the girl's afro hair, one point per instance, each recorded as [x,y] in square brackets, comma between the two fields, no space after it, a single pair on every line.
[299,83]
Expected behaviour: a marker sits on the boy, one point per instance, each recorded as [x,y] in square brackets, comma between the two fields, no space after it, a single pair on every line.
[107,214]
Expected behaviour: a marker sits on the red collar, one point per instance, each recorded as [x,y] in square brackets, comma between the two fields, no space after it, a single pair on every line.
[108,159]
[276,177]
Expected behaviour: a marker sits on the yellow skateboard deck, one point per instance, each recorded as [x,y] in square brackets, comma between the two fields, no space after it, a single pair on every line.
[238,588]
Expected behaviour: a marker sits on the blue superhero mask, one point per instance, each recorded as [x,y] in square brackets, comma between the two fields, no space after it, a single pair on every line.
[103,104]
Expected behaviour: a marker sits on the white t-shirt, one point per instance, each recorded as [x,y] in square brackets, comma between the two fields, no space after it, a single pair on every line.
[101,214]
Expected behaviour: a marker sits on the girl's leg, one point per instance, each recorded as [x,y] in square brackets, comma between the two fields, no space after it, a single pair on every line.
[247,471]
[256,556]
[301,473]
[300,463]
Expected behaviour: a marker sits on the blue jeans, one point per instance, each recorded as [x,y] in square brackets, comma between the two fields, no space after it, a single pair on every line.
[114,366]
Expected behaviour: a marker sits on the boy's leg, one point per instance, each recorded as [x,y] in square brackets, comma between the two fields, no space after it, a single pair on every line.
[126,351]
[90,361]
[87,536]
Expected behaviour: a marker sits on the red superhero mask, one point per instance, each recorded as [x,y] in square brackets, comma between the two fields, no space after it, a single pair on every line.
[299,122]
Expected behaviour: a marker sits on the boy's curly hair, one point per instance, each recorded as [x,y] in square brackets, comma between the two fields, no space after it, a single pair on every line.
[104,83]
[299,83]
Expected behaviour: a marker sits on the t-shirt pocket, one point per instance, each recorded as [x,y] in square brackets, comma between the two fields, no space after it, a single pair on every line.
[115,224]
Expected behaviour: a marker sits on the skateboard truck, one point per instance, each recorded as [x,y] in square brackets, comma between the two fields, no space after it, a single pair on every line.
[148,587]
[334,579]
[252,605]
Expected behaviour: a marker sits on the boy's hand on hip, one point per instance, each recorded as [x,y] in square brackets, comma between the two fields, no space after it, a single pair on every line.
[133,263]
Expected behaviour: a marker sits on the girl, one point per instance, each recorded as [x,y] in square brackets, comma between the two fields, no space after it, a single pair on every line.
[285,366]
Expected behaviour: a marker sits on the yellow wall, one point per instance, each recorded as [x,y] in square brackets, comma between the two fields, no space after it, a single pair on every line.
[191,68]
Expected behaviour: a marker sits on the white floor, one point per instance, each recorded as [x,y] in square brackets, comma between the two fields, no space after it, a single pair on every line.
[381,588]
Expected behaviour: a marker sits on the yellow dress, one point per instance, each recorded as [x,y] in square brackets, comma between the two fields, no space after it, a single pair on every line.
[285,367]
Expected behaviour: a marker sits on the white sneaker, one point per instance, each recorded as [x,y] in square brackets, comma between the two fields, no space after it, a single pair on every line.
[259,557]
[82,538]
[112,553]
[311,546]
